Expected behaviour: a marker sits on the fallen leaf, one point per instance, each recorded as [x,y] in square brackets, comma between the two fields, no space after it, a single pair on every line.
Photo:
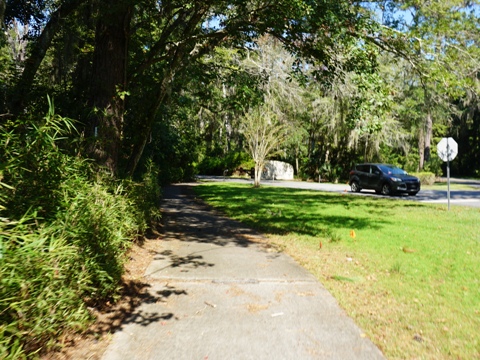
[407,250]
[418,338]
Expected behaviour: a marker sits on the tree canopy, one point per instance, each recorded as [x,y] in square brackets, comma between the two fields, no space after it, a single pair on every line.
[123,67]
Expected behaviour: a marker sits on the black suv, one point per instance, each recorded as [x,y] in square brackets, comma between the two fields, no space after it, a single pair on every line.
[384,179]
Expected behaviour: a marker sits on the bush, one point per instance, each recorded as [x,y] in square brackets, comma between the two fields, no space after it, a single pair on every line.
[34,164]
[174,150]
[65,227]
[426,178]
[53,272]
[102,224]
[434,165]
[42,283]
[145,196]
[216,165]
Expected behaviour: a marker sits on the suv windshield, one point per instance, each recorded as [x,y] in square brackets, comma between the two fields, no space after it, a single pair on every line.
[391,170]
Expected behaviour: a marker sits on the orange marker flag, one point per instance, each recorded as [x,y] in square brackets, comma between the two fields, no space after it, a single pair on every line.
[352,234]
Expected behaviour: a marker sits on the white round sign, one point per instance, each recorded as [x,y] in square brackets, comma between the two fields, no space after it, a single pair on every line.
[447,149]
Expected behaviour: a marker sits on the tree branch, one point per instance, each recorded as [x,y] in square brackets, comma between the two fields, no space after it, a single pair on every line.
[24,85]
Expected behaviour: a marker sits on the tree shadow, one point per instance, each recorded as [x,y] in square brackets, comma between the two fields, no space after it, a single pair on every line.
[113,318]
[269,210]
[187,218]
[168,292]
[145,318]
[191,260]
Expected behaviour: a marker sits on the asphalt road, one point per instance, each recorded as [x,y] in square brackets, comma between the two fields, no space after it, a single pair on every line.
[457,197]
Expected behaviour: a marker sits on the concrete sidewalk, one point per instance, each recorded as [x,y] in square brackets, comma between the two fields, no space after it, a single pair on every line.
[219,293]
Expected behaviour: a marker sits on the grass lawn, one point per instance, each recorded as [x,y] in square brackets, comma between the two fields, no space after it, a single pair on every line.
[444,186]
[408,273]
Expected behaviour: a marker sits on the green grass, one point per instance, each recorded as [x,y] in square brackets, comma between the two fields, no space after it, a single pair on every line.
[453,186]
[407,272]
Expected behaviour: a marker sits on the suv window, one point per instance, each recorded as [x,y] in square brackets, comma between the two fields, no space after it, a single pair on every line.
[393,170]
[363,168]
[375,170]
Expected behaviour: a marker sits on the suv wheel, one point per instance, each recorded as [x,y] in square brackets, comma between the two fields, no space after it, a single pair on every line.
[386,189]
[355,187]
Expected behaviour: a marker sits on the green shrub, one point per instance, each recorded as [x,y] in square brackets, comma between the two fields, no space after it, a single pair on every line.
[51,271]
[331,173]
[434,165]
[101,223]
[34,164]
[211,166]
[216,165]
[146,196]
[42,281]
[68,251]
[426,178]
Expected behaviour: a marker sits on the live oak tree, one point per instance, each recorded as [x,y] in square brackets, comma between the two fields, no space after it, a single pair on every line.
[202,26]
[442,58]
[140,48]
[109,79]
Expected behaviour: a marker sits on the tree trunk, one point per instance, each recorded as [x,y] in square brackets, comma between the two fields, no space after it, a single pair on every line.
[258,175]
[421,149]
[426,132]
[3,7]
[143,134]
[145,127]
[428,136]
[296,161]
[109,81]
[365,150]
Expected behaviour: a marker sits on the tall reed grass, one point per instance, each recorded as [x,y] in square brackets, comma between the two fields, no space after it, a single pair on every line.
[65,227]
[42,282]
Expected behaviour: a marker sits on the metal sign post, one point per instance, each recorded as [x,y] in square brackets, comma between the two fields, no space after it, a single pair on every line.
[447,150]
[448,177]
